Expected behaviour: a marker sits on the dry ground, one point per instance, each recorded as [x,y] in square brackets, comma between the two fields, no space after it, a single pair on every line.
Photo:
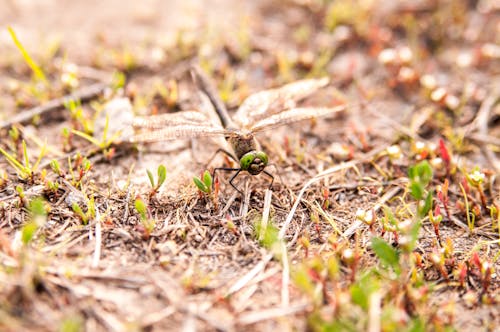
[427,73]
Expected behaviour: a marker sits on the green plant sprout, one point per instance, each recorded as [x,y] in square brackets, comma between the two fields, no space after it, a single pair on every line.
[37,216]
[162,176]
[76,113]
[476,179]
[23,201]
[204,184]
[148,223]
[89,214]
[81,168]
[420,176]
[104,143]
[24,169]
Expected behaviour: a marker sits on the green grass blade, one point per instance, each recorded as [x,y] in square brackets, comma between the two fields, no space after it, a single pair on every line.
[37,71]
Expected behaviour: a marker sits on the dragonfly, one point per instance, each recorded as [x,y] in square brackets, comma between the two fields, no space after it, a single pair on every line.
[260,111]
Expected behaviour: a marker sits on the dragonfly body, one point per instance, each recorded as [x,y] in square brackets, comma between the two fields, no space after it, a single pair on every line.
[261,111]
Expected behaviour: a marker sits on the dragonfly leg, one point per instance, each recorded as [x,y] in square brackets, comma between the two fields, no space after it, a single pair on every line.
[271,176]
[231,181]
[227,153]
[228,169]
[277,171]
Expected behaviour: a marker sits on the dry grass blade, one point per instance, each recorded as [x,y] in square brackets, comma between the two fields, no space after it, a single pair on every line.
[98,240]
[258,316]
[83,95]
[243,281]
[265,213]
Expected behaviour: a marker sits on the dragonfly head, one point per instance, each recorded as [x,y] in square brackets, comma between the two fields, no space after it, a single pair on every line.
[254,162]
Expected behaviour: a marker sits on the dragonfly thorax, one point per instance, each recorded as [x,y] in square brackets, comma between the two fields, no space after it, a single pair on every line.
[243,143]
[254,162]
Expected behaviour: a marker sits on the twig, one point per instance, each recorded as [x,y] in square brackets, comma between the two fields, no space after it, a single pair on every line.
[374,313]
[285,280]
[98,240]
[249,276]
[358,223]
[258,316]
[171,292]
[265,213]
[83,95]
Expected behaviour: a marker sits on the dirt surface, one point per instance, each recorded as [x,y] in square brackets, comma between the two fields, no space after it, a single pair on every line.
[357,248]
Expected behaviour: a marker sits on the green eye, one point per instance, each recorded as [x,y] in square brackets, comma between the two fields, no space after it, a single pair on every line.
[247,160]
[254,162]
[262,156]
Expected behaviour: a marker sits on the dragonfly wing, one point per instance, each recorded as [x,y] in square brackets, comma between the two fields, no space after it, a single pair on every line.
[170,119]
[181,131]
[294,115]
[261,104]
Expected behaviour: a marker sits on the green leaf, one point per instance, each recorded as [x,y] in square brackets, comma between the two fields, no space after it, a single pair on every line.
[207,179]
[54,164]
[363,289]
[162,175]
[425,172]
[151,179]
[414,230]
[200,185]
[424,210]
[303,280]
[417,191]
[416,325]
[37,208]
[28,232]
[78,210]
[141,208]
[87,137]
[386,253]
[390,216]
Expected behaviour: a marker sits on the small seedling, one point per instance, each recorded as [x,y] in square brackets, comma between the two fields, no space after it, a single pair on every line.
[38,216]
[24,169]
[386,253]
[204,184]
[104,143]
[436,217]
[54,165]
[22,196]
[162,175]
[420,176]
[476,179]
[3,178]
[78,117]
[148,224]
[77,171]
[67,137]
[89,214]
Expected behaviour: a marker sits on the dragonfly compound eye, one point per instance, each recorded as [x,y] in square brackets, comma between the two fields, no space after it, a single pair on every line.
[254,162]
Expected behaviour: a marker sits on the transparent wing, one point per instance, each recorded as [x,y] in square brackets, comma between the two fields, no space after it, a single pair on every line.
[294,115]
[264,103]
[170,119]
[181,131]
